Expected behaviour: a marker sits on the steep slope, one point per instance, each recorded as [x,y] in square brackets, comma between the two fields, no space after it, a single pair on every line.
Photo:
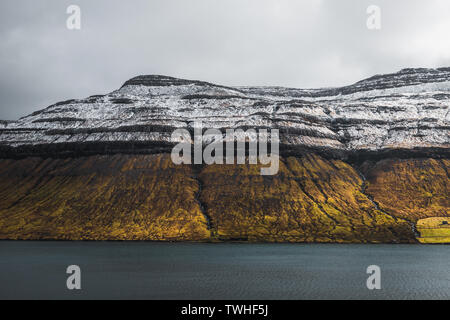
[361,163]
[97,198]
[310,200]
[146,197]
[407,110]
[411,188]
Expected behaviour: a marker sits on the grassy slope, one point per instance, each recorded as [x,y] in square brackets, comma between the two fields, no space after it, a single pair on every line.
[411,189]
[434,230]
[118,197]
[311,199]
[417,190]
[147,197]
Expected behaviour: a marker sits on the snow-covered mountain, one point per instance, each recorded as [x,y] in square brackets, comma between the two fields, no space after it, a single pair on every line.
[407,111]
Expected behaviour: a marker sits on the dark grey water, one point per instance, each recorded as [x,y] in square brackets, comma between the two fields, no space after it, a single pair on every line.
[140,270]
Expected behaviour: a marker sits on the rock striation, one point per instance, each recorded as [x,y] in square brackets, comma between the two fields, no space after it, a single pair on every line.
[405,113]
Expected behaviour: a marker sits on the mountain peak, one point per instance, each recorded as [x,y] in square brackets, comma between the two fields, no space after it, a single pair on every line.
[156,80]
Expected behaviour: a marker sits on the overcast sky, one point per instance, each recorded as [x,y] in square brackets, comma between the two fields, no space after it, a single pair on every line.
[310,43]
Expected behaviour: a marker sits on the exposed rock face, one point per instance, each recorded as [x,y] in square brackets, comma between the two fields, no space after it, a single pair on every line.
[407,111]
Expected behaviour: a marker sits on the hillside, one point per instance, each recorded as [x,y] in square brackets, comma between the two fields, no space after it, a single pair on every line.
[361,163]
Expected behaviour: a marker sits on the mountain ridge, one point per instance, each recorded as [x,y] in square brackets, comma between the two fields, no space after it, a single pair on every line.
[403,112]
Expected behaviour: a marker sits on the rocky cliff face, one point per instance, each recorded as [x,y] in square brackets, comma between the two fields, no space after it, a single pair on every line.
[402,112]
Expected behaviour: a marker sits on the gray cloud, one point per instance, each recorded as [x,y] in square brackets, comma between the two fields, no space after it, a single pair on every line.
[311,43]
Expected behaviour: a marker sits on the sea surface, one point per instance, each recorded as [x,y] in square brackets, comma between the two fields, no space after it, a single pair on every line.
[147,270]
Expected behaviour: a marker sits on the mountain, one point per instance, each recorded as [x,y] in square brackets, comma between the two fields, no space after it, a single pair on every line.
[405,111]
[363,163]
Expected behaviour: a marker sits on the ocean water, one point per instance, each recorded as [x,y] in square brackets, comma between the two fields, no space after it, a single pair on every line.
[146,270]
